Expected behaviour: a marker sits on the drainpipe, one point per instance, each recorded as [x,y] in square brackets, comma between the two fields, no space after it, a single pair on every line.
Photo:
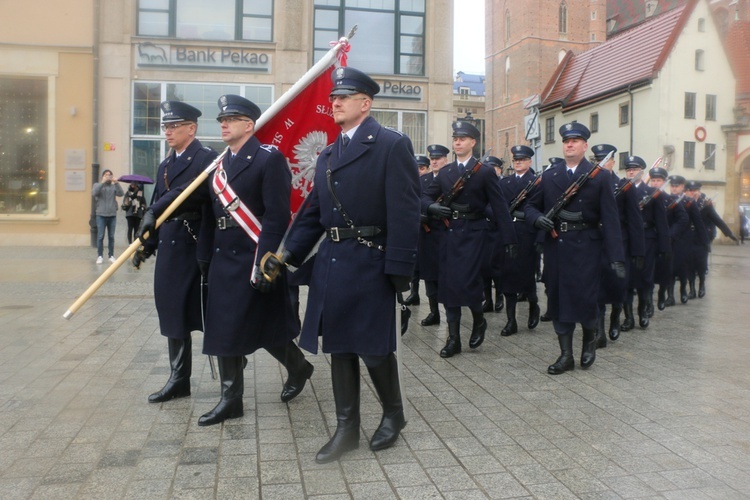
[632,114]
[95,115]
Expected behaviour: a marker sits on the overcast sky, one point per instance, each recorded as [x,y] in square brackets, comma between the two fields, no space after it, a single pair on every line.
[468,38]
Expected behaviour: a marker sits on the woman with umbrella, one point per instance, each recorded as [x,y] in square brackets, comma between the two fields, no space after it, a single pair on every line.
[134,203]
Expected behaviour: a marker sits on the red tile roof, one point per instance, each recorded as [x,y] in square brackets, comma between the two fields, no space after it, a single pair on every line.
[738,48]
[632,58]
[628,13]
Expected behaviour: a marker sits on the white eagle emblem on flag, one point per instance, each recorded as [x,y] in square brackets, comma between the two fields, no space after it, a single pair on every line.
[306,154]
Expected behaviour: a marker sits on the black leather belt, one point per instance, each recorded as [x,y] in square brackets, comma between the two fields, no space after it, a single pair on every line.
[648,225]
[564,226]
[186,216]
[223,223]
[457,214]
[343,233]
[518,216]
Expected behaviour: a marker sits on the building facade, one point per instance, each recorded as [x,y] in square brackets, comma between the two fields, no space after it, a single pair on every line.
[147,51]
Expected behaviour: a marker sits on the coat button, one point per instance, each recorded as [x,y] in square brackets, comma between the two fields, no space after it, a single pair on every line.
[333,260]
[217,250]
[173,243]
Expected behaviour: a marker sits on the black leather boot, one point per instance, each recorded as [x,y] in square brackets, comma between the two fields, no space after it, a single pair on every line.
[180,363]
[601,336]
[405,315]
[478,328]
[691,294]
[534,313]
[565,361]
[434,317]
[545,317]
[614,321]
[488,305]
[629,322]
[232,388]
[670,296]
[453,344]
[650,303]
[643,319]
[345,380]
[499,302]
[701,287]
[661,298]
[588,351]
[683,293]
[385,379]
[511,326]
[413,298]
[299,370]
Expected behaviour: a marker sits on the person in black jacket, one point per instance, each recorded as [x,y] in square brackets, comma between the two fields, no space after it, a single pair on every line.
[134,205]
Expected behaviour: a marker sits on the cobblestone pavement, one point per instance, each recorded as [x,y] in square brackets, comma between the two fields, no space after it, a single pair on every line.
[663,413]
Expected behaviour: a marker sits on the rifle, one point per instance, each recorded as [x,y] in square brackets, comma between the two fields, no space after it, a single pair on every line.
[647,199]
[573,190]
[624,188]
[523,194]
[459,184]
[676,202]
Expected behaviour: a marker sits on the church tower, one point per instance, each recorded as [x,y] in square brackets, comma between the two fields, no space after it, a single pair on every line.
[525,40]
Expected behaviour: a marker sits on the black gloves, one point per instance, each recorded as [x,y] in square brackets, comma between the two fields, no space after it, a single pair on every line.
[260,283]
[140,256]
[270,266]
[424,219]
[203,266]
[439,211]
[148,224]
[638,262]
[539,247]
[511,250]
[400,283]
[544,224]
[619,269]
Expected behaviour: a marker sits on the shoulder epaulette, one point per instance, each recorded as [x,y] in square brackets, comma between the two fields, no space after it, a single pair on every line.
[268,147]
[394,130]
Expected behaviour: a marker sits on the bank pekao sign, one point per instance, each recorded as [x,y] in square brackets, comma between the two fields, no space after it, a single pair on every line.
[400,90]
[164,55]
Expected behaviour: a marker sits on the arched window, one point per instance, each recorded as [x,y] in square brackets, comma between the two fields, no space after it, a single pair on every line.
[561,55]
[563,24]
[506,77]
[699,60]
[507,25]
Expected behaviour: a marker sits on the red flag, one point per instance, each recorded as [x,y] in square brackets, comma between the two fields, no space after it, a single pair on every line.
[300,131]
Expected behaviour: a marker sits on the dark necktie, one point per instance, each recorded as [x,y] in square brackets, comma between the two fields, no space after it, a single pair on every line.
[570,174]
[344,141]
[461,168]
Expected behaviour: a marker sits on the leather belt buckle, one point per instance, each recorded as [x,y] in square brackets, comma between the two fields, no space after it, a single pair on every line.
[563,227]
[334,234]
[455,214]
[221,223]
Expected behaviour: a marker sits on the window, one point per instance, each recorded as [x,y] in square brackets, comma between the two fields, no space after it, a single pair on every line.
[622,157]
[594,123]
[689,104]
[593,15]
[699,60]
[710,107]
[701,24]
[23,162]
[688,155]
[390,36]
[709,161]
[549,130]
[463,92]
[593,37]
[148,146]
[506,82]
[201,20]
[624,114]
[563,21]
[411,123]
[507,26]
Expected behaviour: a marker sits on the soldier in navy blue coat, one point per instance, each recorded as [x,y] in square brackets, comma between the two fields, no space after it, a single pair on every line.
[423,164]
[243,312]
[678,222]
[494,268]
[712,220]
[432,229]
[692,244]
[613,289]
[588,226]
[518,276]
[177,277]
[462,250]
[365,201]
[656,233]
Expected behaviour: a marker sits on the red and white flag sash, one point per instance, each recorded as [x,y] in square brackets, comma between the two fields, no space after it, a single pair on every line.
[234,206]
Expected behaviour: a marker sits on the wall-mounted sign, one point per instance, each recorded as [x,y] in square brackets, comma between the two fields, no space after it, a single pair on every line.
[401,90]
[149,54]
[75,159]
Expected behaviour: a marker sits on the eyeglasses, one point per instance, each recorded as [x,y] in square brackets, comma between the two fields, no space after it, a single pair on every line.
[344,98]
[172,126]
[231,119]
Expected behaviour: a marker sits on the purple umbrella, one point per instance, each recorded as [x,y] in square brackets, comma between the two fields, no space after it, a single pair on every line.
[136,178]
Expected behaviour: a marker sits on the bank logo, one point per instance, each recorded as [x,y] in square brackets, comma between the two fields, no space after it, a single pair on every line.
[150,53]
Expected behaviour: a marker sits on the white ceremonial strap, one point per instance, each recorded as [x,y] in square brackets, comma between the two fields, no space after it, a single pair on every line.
[234,206]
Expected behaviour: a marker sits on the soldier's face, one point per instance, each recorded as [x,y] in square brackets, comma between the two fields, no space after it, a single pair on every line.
[463,146]
[632,172]
[236,129]
[677,189]
[437,163]
[521,166]
[574,149]
[656,182]
[692,193]
[179,135]
[349,110]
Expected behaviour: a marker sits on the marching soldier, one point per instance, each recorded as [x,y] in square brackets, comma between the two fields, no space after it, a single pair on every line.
[430,233]
[423,164]
[613,289]
[539,270]
[365,200]
[177,276]
[518,276]
[465,188]
[494,268]
[694,243]
[678,222]
[249,198]
[711,220]
[656,234]
[586,225]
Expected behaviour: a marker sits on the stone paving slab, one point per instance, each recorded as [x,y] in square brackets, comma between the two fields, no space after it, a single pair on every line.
[663,413]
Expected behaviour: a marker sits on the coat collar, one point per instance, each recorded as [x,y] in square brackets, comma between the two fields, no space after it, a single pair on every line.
[177,165]
[363,140]
[244,158]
